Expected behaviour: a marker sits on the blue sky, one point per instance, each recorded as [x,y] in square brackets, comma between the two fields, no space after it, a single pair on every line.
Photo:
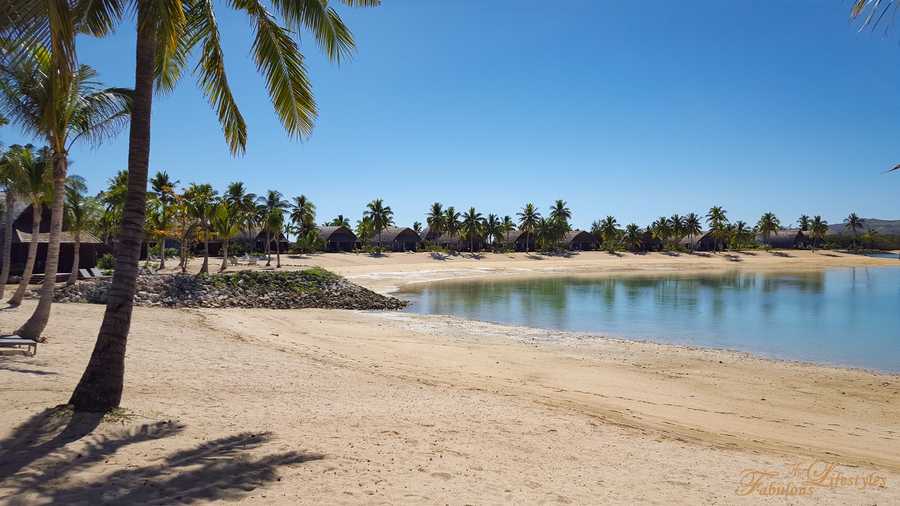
[635,109]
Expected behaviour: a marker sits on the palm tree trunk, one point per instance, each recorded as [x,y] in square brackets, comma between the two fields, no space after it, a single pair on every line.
[277,252]
[7,241]
[76,260]
[162,252]
[32,255]
[224,255]
[36,323]
[100,388]
[268,249]
[205,267]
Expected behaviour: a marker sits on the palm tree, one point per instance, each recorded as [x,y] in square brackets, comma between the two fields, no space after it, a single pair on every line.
[854,223]
[226,223]
[381,215]
[817,228]
[364,230]
[275,222]
[692,227]
[472,227]
[661,230]
[269,204]
[237,197]
[451,222]
[436,219]
[113,199]
[340,221]
[767,225]
[632,237]
[678,227]
[303,214]
[717,220]
[529,217]
[201,203]
[163,189]
[507,225]
[559,220]
[740,233]
[7,181]
[493,229]
[81,214]
[803,222]
[166,34]
[62,105]
[417,227]
[609,231]
[32,173]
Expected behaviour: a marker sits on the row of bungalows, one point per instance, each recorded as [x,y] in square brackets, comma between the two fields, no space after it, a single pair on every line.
[23,233]
[250,240]
[788,238]
[575,240]
[336,239]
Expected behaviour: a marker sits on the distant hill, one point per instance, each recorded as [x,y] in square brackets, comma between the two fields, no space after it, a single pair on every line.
[883,227]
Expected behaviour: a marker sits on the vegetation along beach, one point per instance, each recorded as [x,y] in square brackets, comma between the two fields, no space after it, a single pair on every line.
[577,256]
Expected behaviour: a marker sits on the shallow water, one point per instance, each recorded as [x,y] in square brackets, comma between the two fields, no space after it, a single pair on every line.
[847,316]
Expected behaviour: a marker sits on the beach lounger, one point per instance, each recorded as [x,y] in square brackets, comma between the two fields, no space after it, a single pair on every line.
[85,274]
[96,273]
[10,341]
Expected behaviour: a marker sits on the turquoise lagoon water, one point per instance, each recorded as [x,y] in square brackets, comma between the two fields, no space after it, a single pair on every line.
[847,317]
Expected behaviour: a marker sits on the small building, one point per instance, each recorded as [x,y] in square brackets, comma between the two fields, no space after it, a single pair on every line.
[520,240]
[337,238]
[789,238]
[704,241]
[22,233]
[455,242]
[396,239]
[430,235]
[579,240]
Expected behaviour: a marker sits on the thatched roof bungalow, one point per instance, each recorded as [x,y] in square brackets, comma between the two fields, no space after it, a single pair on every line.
[396,239]
[22,233]
[789,238]
[337,238]
[579,240]
[704,241]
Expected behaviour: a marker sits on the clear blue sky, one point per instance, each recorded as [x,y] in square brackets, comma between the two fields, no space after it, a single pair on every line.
[636,109]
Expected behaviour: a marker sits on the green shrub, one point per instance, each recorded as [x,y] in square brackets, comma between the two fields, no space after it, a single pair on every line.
[106,262]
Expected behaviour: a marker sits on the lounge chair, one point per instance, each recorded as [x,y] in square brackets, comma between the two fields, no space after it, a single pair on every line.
[97,273]
[10,341]
[85,274]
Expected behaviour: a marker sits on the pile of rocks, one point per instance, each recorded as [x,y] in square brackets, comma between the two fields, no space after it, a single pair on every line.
[310,288]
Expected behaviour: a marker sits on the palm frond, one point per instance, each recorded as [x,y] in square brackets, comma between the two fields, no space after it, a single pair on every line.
[326,26]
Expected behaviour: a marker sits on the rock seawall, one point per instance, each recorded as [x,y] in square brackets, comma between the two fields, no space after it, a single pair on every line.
[310,288]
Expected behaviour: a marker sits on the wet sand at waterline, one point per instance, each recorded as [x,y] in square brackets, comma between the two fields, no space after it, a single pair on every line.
[316,406]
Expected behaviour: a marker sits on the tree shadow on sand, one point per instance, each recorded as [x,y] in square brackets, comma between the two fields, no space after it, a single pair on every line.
[37,457]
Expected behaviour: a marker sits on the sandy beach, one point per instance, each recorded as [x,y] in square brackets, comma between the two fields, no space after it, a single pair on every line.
[331,406]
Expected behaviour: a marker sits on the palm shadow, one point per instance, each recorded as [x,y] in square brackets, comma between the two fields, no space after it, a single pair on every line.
[781,254]
[37,458]
[436,255]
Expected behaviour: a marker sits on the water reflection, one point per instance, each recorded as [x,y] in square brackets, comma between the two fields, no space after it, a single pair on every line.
[831,316]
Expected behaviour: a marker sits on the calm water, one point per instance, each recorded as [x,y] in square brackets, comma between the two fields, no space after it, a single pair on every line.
[841,316]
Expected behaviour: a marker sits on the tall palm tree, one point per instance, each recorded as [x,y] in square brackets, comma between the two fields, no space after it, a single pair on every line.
[767,225]
[275,222]
[201,203]
[472,227]
[559,221]
[452,222]
[632,237]
[226,223]
[717,220]
[33,172]
[303,214]
[436,220]
[740,233]
[817,229]
[854,223]
[417,227]
[340,221]
[507,225]
[81,214]
[803,223]
[113,200]
[272,202]
[678,227]
[239,198]
[364,230]
[529,217]
[692,227]
[381,215]
[609,231]
[163,189]
[166,34]
[493,229]
[62,105]
[7,178]
[662,231]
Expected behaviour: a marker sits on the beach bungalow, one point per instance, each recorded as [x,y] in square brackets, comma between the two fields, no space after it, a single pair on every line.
[705,241]
[456,243]
[521,241]
[247,240]
[789,238]
[337,238]
[91,247]
[579,240]
[396,239]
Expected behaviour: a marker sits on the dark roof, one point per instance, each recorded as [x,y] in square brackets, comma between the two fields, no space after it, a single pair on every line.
[686,240]
[391,233]
[580,235]
[65,237]
[325,233]
[783,237]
